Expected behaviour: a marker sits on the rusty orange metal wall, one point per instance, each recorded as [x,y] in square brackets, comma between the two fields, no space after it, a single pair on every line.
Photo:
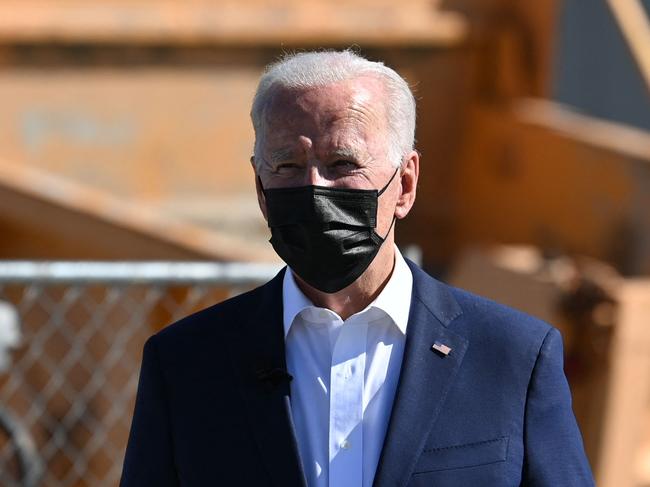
[522,181]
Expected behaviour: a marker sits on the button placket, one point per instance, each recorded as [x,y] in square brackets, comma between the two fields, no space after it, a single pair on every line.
[346,405]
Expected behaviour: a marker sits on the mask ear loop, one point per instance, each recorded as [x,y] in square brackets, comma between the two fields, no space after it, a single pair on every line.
[389,228]
[380,193]
[388,183]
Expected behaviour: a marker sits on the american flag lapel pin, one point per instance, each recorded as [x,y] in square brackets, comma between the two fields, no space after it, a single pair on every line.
[441,348]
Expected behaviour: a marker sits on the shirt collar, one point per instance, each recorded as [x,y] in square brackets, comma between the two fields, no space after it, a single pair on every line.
[293,300]
[394,299]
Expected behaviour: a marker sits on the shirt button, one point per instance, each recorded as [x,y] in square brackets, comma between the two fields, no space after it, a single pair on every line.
[348,373]
[345,444]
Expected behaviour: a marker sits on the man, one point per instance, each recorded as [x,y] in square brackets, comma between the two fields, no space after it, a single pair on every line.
[352,367]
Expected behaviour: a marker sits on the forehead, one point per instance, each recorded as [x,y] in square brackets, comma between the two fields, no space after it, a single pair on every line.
[346,107]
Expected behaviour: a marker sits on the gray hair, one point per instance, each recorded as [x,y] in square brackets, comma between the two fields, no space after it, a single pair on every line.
[311,69]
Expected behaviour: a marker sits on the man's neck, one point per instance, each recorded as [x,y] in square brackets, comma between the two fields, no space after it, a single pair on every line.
[361,292]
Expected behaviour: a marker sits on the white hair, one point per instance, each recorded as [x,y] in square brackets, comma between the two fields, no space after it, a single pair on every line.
[312,69]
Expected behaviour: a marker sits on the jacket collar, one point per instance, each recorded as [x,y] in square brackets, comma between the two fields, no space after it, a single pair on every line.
[258,355]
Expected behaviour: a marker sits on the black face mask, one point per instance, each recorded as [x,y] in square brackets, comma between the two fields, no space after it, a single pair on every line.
[326,235]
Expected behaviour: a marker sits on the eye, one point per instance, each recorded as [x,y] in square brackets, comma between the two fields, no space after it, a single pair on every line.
[344,164]
[286,166]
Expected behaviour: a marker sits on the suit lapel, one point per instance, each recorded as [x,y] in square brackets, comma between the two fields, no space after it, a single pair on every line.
[258,356]
[425,378]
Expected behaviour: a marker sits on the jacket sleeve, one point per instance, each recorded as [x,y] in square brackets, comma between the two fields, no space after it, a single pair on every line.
[149,459]
[554,453]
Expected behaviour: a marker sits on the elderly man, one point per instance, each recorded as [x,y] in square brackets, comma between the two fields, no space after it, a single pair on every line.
[352,367]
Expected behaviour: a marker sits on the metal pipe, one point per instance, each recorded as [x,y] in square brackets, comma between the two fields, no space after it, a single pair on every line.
[124,272]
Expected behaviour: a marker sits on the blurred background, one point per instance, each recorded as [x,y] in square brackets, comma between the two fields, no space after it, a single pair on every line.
[127,199]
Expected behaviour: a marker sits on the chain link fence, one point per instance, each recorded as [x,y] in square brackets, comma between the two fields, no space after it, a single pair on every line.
[67,386]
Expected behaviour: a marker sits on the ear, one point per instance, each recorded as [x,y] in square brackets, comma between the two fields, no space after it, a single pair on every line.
[409,182]
[261,200]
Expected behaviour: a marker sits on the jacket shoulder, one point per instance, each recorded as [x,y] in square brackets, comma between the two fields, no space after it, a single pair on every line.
[461,310]
[497,314]
[218,319]
[501,332]
[491,327]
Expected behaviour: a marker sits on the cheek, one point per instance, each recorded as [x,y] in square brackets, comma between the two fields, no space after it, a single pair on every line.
[386,211]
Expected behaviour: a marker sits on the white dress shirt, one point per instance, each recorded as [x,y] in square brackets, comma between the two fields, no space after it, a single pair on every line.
[345,375]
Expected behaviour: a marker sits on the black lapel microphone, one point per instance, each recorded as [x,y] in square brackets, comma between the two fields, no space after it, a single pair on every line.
[272,378]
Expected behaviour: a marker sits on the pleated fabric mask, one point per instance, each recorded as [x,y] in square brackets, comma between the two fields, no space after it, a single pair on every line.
[325,235]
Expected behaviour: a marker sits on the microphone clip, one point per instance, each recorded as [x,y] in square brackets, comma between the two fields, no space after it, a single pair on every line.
[272,378]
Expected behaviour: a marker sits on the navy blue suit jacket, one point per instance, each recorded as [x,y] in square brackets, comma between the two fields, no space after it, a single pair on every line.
[495,412]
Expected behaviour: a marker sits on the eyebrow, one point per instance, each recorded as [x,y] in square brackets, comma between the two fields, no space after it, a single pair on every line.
[345,152]
[287,154]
